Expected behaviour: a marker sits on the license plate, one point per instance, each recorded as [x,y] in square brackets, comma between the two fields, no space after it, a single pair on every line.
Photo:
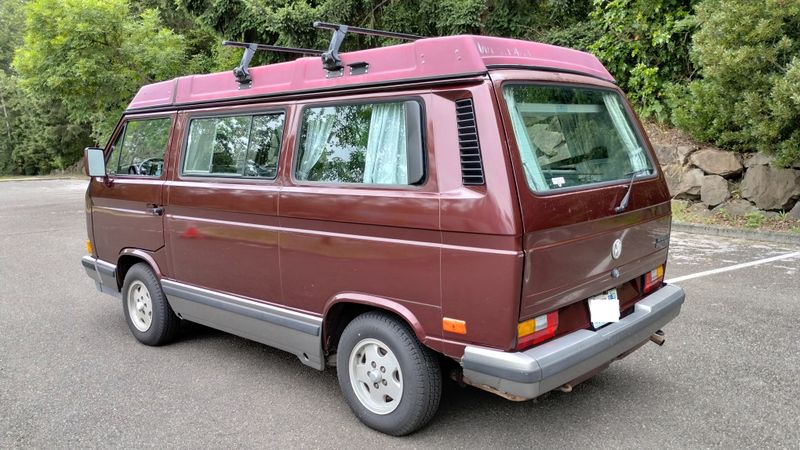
[604,308]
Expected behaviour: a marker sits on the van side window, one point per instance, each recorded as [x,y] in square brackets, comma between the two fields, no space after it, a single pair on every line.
[234,146]
[369,143]
[139,149]
[112,163]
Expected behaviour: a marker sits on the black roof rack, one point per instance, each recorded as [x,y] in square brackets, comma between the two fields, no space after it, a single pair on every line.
[331,60]
[242,73]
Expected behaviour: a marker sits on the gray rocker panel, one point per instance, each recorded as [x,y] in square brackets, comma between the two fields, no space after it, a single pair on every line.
[281,328]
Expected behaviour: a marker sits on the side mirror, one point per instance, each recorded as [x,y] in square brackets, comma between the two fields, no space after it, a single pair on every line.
[94,162]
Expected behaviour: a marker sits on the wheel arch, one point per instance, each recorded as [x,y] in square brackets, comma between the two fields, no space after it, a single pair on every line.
[343,308]
[130,256]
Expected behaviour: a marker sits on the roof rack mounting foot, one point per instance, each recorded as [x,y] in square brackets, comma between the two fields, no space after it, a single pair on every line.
[242,73]
[330,59]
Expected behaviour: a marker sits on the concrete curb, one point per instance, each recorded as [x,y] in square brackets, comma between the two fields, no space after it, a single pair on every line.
[738,233]
[65,177]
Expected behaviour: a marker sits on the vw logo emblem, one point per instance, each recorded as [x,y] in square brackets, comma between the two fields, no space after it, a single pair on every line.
[616,249]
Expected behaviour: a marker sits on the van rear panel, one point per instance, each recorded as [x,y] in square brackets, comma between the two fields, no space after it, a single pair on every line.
[578,150]
[572,262]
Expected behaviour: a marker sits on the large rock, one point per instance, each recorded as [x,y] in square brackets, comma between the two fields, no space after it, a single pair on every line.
[673,174]
[666,154]
[714,190]
[757,159]
[689,185]
[682,153]
[736,208]
[716,162]
[795,212]
[771,188]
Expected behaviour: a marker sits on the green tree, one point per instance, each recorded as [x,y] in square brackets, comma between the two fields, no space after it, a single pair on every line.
[748,94]
[93,55]
[11,30]
[645,45]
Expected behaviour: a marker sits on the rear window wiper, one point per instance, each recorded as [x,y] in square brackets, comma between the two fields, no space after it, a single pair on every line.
[624,203]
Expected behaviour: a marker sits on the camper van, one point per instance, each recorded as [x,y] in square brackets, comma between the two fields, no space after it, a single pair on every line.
[467,207]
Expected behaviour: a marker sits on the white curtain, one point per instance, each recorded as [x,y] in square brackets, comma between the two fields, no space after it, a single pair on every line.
[320,123]
[201,145]
[635,152]
[386,159]
[526,152]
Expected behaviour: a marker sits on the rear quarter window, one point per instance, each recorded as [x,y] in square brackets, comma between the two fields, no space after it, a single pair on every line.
[366,143]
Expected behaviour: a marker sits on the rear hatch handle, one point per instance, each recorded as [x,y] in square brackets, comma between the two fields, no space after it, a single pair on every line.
[623,205]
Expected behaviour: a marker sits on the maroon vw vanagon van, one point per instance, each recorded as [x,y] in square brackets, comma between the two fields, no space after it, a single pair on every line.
[475,207]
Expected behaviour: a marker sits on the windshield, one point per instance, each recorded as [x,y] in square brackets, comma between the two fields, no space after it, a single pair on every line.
[572,136]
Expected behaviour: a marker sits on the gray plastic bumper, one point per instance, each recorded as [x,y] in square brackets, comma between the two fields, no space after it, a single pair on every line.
[104,274]
[533,372]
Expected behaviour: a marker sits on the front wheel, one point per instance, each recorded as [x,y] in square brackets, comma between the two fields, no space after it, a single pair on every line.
[391,382]
[147,311]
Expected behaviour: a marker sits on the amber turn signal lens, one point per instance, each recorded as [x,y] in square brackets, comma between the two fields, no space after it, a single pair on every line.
[536,330]
[653,278]
[89,247]
[454,325]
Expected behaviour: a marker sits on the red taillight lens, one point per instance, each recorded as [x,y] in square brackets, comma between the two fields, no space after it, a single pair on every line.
[653,279]
[536,330]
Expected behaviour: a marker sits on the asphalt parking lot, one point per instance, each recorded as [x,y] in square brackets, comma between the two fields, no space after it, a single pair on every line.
[71,374]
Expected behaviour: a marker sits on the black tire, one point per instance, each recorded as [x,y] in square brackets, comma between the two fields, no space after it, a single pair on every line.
[421,376]
[164,323]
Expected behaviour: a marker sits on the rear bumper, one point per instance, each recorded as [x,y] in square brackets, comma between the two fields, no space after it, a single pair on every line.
[104,274]
[531,373]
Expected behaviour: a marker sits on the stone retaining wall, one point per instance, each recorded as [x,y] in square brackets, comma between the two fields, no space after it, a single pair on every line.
[715,179]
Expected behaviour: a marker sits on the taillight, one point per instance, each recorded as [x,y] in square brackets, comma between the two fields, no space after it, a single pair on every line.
[536,330]
[653,279]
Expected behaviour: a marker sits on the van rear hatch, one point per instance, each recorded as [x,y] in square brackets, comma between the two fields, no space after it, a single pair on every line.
[577,152]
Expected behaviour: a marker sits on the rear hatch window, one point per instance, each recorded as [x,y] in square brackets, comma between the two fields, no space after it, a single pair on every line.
[570,137]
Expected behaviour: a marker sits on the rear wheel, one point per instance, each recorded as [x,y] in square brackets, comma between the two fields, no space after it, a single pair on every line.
[391,382]
[146,309]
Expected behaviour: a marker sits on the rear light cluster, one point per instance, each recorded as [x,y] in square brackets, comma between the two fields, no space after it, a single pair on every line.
[536,330]
[653,279]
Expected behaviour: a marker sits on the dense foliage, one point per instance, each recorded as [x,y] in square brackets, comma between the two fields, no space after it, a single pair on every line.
[748,95]
[69,68]
[644,43]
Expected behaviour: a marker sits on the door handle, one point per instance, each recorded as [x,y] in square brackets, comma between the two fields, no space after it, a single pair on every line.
[155,209]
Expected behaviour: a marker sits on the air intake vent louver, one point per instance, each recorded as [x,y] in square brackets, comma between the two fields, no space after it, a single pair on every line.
[468,143]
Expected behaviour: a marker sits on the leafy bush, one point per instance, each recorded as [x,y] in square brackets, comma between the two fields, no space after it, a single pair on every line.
[644,44]
[748,96]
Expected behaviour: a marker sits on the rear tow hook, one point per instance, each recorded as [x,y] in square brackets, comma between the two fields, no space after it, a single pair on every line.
[658,337]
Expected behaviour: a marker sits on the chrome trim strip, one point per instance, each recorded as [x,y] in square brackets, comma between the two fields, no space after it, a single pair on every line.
[293,320]
[122,210]
[350,236]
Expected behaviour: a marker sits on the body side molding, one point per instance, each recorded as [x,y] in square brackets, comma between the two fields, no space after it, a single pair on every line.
[287,330]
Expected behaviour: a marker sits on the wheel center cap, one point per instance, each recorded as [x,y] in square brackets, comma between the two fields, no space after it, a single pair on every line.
[140,306]
[374,376]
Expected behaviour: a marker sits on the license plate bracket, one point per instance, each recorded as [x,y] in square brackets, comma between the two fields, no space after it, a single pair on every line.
[604,308]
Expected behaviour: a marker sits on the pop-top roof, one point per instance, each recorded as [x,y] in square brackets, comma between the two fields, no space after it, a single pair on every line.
[424,58]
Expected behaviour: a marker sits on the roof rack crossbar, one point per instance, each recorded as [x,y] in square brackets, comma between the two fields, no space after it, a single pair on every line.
[331,61]
[242,72]
[367,31]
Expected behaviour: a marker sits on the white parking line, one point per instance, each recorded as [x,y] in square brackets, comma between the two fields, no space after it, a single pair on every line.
[734,267]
